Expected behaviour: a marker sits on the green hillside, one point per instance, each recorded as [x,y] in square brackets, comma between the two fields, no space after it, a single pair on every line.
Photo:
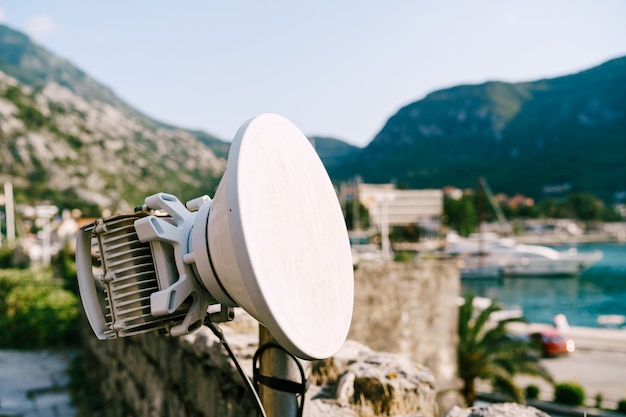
[566,133]
[33,65]
[558,135]
[68,140]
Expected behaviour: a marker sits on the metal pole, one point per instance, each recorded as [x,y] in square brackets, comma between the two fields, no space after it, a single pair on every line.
[356,205]
[278,364]
[384,230]
[383,200]
[45,213]
[45,253]
[10,213]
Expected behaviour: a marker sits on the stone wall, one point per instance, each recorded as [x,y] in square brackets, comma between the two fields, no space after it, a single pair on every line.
[409,308]
[158,376]
[154,375]
[404,308]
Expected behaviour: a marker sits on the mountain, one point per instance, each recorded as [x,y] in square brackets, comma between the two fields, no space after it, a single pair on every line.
[67,139]
[334,153]
[32,65]
[561,134]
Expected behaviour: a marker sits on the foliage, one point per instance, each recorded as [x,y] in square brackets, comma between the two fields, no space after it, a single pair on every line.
[6,258]
[65,268]
[585,206]
[569,393]
[363,216]
[487,352]
[143,166]
[599,398]
[621,406]
[35,310]
[408,233]
[404,256]
[31,117]
[535,138]
[460,215]
[13,258]
[581,206]
[522,211]
[532,392]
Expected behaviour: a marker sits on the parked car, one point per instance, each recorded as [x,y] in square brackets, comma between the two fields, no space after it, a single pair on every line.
[552,342]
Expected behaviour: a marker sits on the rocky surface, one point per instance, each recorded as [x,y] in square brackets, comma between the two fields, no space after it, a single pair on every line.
[412,312]
[152,375]
[59,145]
[497,410]
[379,382]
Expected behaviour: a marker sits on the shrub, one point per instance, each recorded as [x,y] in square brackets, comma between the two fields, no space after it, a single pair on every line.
[404,256]
[621,406]
[569,393]
[65,268]
[599,398]
[35,311]
[6,257]
[532,392]
[13,258]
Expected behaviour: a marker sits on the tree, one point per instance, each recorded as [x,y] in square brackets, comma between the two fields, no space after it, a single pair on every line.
[363,216]
[35,311]
[585,206]
[487,352]
[461,214]
[581,206]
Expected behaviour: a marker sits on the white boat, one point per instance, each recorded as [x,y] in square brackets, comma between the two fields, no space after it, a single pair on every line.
[536,260]
[512,259]
[478,267]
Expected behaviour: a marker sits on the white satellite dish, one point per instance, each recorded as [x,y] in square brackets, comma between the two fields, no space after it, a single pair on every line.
[272,241]
[293,264]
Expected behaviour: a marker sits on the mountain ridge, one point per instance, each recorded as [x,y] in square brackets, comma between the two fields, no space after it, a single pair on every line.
[31,64]
[565,133]
[66,139]
[524,137]
[58,147]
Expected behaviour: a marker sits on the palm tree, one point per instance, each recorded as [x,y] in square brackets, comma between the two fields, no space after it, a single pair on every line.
[487,352]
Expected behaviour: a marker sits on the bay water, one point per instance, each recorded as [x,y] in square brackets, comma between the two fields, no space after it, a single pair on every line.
[600,290]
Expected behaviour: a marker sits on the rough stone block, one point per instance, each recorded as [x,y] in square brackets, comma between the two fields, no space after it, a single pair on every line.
[497,410]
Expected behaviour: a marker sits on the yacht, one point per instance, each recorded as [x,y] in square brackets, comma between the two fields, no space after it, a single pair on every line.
[484,255]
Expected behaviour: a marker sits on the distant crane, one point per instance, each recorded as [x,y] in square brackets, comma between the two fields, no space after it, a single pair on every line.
[504,223]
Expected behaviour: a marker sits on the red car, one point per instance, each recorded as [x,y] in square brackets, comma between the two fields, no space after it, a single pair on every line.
[552,343]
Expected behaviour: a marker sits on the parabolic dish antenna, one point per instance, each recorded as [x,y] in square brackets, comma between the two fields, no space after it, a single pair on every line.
[293,265]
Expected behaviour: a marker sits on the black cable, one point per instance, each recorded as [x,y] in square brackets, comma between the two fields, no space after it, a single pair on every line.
[249,384]
[297,388]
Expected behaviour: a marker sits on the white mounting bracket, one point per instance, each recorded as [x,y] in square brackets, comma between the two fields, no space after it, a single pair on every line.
[169,241]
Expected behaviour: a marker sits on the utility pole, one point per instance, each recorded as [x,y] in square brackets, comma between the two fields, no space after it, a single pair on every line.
[383,199]
[10,213]
[279,367]
[46,212]
[356,205]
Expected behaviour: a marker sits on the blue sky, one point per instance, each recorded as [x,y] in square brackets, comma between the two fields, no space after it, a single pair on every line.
[335,68]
